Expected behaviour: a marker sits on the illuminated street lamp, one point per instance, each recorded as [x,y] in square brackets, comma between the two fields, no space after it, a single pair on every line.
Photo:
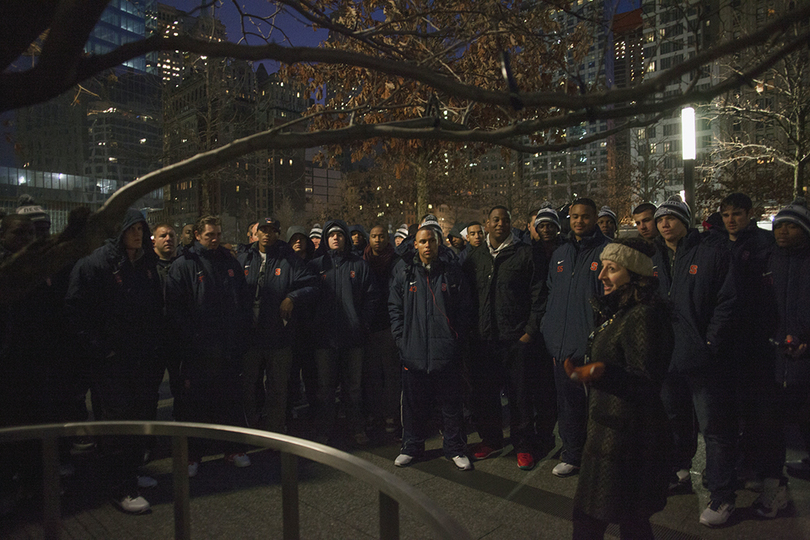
[689,155]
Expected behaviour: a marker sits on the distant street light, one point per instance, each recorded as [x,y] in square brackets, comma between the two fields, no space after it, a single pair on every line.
[689,154]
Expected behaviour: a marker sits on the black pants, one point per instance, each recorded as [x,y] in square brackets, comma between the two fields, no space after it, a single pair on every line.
[513,366]
[125,386]
[420,391]
[212,394]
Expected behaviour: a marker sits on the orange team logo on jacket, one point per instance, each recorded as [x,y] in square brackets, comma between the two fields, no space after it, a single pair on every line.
[693,269]
[278,271]
[594,266]
[351,274]
[230,272]
[559,269]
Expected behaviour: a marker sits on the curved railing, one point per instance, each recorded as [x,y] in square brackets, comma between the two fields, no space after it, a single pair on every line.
[393,491]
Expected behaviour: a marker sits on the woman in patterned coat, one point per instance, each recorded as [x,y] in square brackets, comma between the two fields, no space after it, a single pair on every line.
[624,465]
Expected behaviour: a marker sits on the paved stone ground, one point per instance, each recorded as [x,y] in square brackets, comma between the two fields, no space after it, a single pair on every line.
[496,501]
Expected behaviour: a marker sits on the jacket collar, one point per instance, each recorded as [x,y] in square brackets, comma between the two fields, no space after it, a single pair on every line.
[592,240]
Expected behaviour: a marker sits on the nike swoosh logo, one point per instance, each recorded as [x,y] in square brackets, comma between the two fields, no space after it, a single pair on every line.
[560,262]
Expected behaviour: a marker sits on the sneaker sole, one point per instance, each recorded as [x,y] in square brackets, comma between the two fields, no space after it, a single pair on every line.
[566,475]
[711,525]
[772,513]
[485,456]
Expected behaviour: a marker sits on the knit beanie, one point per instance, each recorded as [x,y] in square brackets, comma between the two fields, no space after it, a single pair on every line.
[431,221]
[27,207]
[606,211]
[674,206]
[402,232]
[317,231]
[797,213]
[630,258]
[547,213]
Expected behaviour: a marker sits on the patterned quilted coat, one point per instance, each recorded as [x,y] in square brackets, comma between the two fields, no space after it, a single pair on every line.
[625,469]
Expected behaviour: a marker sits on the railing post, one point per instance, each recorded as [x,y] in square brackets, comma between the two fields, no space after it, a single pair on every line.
[289,496]
[389,517]
[182,514]
[51,489]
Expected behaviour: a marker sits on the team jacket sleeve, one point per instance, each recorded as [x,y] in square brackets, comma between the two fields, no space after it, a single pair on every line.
[722,321]
[396,296]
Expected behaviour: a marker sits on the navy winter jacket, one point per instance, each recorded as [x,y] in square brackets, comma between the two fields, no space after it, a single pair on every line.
[347,296]
[207,296]
[285,275]
[789,273]
[506,291]
[114,303]
[381,266]
[573,279]
[703,296]
[749,261]
[430,313]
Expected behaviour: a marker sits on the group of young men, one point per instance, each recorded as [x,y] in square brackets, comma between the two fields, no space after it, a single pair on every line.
[422,324]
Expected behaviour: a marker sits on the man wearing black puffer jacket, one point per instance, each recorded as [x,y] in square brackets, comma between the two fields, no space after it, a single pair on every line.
[750,249]
[694,276]
[573,280]
[206,293]
[280,282]
[114,302]
[343,314]
[429,307]
[507,289]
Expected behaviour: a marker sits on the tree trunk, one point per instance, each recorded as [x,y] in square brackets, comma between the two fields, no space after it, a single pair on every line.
[421,189]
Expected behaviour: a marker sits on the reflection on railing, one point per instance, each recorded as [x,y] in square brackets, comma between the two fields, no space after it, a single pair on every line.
[393,491]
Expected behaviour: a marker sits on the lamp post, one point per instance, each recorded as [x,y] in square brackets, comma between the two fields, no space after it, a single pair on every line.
[689,155]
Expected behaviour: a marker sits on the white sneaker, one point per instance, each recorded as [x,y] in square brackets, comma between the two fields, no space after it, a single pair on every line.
[563,469]
[681,481]
[403,460]
[133,505]
[193,468]
[239,459]
[716,513]
[462,463]
[774,498]
[147,482]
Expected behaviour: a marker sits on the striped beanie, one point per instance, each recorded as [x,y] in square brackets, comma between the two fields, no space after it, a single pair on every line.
[797,213]
[674,206]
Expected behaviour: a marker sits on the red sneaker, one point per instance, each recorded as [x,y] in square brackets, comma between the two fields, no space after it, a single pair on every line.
[482,451]
[525,461]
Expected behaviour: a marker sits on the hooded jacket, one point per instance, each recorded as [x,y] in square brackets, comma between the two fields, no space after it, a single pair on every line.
[703,296]
[310,245]
[347,295]
[573,279]
[206,294]
[788,271]
[115,303]
[284,275]
[430,313]
[506,291]
[353,229]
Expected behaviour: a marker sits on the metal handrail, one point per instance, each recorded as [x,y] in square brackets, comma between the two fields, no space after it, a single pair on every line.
[393,491]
